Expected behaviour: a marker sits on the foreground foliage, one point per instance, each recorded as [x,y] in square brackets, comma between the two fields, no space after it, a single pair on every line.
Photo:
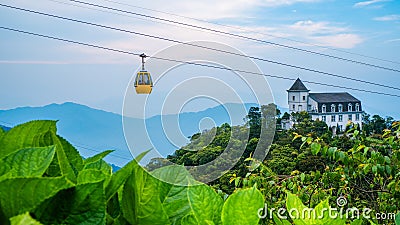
[43,180]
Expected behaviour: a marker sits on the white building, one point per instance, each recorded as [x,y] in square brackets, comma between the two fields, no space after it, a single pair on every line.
[335,109]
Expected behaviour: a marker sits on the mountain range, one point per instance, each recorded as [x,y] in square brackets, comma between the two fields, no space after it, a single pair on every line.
[92,130]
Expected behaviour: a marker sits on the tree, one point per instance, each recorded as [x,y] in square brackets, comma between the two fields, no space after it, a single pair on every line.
[286,116]
[254,122]
[378,124]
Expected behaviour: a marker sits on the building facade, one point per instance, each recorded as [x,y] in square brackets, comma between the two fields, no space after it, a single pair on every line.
[335,109]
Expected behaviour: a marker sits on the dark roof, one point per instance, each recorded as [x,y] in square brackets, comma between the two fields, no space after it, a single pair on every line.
[298,86]
[333,97]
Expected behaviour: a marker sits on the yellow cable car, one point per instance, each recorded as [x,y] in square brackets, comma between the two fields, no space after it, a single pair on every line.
[143,83]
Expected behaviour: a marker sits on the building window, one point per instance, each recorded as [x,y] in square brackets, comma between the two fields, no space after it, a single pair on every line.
[340,108]
[350,107]
[323,108]
[357,117]
[324,118]
[340,128]
[333,118]
[350,117]
[293,97]
[294,107]
[357,107]
[340,118]
[300,108]
[333,108]
[304,98]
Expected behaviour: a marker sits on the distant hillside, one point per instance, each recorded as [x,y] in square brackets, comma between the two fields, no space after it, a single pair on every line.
[4,128]
[92,130]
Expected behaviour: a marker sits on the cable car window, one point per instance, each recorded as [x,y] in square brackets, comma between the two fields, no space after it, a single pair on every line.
[136,80]
[146,79]
[140,82]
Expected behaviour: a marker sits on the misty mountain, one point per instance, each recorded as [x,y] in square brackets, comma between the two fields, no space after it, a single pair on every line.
[92,131]
[4,128]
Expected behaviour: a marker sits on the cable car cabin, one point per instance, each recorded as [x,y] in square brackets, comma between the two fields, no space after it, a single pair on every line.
[143,83]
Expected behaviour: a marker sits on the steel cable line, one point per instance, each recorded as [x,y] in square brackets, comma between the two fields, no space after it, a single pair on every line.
[196,64]
[256,32]
[130,16]
[236,35]
[199,46]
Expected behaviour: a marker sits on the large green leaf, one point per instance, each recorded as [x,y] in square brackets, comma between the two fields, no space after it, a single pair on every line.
[185,200]
[242,207]
[91,176]
[357,222]
[40,134]
[19,195]
[97,157]
[64,163]
[24,219]
[71,162]
[28,162]
[119,177]
[397,219]
[31,134]
[302,215]
[140,199]
[83,204]
[205,205]
[100,165]
[175,175]
[74,158]
[173,192]
[279,221]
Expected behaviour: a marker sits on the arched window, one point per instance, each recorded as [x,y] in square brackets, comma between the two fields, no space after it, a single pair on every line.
[357,107]
[350,107]
[323,108]
[340,108]
[333,108]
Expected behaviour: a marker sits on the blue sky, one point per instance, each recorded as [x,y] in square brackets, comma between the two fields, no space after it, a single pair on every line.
[36,71]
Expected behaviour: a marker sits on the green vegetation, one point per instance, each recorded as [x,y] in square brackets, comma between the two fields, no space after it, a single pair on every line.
[44,180]
[311,162]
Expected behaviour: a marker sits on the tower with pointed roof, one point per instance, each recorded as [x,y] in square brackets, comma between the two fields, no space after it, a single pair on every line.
[298,97]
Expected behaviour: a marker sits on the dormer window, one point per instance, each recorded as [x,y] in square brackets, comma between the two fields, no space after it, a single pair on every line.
[340,108]
[350,107]
[323,108]
[333,108]
[357,107]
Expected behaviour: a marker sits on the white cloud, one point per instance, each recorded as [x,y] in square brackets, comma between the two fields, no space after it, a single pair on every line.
[367,3]
[323,34]
[393,40]
[388,18]
[276,3]
[312,27]
[338,40]
[214,10]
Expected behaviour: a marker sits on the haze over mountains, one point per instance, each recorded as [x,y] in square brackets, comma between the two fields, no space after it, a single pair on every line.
[92,131]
